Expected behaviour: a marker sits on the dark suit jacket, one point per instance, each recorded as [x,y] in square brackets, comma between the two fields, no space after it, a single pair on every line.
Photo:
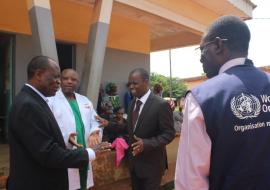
[38,157]
[155,127]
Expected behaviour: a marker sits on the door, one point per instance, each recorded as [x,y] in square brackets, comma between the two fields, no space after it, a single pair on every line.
[6,81]
[66,55]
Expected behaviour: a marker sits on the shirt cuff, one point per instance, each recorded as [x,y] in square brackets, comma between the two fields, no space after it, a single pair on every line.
[91,154]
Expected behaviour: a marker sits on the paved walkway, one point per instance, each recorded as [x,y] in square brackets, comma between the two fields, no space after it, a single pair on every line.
[121,185]
[4,159]
[4,163]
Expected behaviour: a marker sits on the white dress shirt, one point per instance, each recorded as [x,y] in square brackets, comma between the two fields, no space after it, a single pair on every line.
[194,151]
[39,93]
[91,153]
[143,100]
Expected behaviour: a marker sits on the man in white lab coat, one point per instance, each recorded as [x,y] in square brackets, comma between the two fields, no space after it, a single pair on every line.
[78,120]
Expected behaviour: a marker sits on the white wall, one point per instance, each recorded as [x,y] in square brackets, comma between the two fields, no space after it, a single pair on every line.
[24,52]
[116,68]
[117,65]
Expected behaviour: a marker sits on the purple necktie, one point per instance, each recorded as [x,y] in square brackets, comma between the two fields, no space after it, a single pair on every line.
[135,113]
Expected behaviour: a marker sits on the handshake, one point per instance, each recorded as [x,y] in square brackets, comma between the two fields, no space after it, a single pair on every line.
[94,142]
[94,139]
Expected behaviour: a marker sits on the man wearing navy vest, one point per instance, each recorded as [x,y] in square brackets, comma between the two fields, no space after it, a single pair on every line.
[225,139]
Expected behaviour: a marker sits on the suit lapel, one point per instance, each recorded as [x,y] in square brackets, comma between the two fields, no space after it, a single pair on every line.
[130,110]
[47,110]
[37,97]
[65,101]
[144,111]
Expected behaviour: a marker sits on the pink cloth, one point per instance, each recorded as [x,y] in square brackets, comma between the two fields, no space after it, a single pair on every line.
[120,146]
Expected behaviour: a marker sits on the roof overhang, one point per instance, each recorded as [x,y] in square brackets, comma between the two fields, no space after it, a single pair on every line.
[241,8]
[178,23]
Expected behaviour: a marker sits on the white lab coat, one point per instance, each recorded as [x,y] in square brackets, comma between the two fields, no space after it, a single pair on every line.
[65,119]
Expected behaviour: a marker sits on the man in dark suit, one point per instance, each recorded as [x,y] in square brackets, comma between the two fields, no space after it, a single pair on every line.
[150,125]
[38,157]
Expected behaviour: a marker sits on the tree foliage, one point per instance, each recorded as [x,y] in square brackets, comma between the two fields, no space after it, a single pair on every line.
[178,87]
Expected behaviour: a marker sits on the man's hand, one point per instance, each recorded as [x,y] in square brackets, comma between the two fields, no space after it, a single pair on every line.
[72,140]
[103,122]
[138,146]
[101,148]
[93,139]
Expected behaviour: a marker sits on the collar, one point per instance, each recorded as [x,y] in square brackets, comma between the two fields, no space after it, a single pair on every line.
[60,90]
[144,97]
[38,92]
[231,63]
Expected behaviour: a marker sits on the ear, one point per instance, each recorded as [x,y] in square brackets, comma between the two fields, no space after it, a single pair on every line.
[38,74]
[220,45]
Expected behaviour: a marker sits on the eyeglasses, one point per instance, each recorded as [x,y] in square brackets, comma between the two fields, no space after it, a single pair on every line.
[202,47]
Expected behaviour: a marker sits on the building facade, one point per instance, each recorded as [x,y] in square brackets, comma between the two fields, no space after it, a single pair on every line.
[102,39]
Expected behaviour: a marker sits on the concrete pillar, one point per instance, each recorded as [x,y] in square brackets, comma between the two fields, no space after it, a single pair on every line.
[97,41]
[43,38]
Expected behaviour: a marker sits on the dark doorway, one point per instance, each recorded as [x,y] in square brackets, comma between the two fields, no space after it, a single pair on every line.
[66,55]
[6,81]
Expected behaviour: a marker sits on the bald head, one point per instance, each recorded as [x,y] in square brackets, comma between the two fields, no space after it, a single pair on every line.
[138,81]
[43,73]
[69,71]
[38,63]
[69,82]
[142,72]
[234,30]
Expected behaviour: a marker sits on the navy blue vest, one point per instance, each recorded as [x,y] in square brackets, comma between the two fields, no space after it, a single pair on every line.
[236,109]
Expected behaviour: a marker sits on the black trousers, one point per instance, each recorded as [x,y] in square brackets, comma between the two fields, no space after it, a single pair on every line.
[147,183]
